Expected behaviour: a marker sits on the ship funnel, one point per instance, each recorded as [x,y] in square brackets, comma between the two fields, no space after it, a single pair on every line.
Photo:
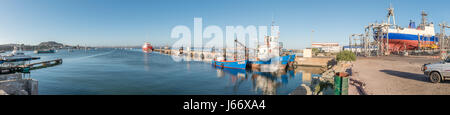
[412,24]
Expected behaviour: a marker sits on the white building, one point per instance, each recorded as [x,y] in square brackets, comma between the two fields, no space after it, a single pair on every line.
[327,47]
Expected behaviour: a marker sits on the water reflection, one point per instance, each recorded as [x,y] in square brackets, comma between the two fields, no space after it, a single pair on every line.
[269,82]
[226,80]
[146,61]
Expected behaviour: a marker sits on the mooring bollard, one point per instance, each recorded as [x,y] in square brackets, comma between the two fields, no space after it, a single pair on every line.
[341,83]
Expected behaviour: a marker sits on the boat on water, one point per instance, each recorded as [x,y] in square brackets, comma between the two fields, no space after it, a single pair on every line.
[235,64]
[267,54]
[147,48]
[410,38]
[270,52]
[17,55]
[44,51]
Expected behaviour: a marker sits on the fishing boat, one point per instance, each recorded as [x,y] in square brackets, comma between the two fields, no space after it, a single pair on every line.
[44,51]
[269,53]
[236,63]
[147,48]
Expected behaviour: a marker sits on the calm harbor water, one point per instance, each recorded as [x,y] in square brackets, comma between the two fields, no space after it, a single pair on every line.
[118,71]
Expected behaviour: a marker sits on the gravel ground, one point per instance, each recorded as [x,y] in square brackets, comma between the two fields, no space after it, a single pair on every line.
[395,75]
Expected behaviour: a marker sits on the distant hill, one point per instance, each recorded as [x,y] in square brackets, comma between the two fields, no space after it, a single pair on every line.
[42,45]
[51,44]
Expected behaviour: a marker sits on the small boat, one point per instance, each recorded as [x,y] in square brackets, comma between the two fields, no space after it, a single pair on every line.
[235,64]
[147,48]
[1,61]
[17,56]
[44,51]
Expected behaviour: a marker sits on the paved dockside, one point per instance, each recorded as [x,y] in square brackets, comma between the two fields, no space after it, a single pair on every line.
[395,75]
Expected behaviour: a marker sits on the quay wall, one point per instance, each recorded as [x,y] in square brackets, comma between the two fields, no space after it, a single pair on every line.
[313,61]
[14,84]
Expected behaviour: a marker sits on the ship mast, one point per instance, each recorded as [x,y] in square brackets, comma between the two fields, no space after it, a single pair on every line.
[424,20]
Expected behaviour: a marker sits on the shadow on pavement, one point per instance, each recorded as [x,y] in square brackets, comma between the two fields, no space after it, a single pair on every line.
[407,75]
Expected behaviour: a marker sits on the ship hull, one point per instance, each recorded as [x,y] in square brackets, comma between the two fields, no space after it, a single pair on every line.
[401,42]
[283,62]
[257,64]
[231,64]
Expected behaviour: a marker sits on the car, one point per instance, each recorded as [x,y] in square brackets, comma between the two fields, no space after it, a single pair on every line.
[437,72]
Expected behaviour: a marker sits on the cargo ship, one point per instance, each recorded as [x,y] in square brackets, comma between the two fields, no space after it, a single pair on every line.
[147,48]
[412,37]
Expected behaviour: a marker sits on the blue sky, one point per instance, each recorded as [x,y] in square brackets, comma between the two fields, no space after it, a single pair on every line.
[132,22]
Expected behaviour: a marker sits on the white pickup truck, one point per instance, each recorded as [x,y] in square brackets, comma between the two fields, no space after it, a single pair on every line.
[437,72]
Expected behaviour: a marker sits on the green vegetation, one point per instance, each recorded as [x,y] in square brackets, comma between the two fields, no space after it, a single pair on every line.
[314,51]
[345,56]
[322,86]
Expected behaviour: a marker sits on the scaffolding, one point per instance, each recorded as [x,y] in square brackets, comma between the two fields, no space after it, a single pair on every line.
[371,42]
[444,45]
[380,34]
